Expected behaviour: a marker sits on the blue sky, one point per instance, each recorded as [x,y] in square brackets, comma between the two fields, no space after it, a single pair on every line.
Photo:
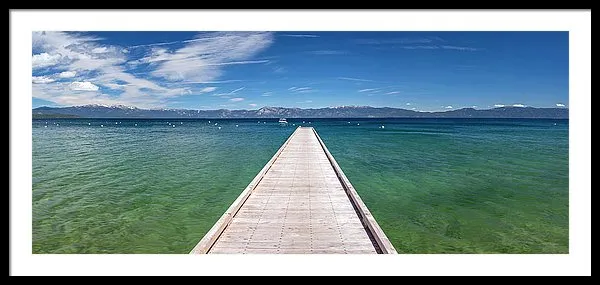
[426,71]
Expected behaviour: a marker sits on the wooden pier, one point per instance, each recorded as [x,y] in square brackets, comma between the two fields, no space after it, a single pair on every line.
[300,202]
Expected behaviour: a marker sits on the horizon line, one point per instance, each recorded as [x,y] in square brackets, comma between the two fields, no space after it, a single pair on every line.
[328,107]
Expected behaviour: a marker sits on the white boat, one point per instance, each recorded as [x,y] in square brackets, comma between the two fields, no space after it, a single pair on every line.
[282,121]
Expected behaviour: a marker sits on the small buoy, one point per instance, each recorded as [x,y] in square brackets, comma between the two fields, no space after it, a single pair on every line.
[383,127]
[173,125]
[209,122]
[45,126]
[57,124]
[116,123]
[555,124]
[219,128]
[216,124]
[136,125]
[293,124]
[303,122]
[264,122]
[309,122]
[181,123]
[236,126]
[348,122]
[258,122]
[358,124]
[102,126]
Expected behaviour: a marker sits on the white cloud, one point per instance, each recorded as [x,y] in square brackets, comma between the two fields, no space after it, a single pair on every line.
[448,107]
[421,47]
[299,35]
[100,50]
[354,79]
[474,106]
[41,79]
[498,105]
[252,105]
[202,60]
[83,86]
[75,52]
[407,104]
[237,99]
[267,94]
[437,47]
[208,89]
[214,82]
[236,90]
[328,52]
[67,74]
[518,105]
[393,92]
[368,90]
[44,60]
[301,89]
[199,60]
[560,105]
[459,48]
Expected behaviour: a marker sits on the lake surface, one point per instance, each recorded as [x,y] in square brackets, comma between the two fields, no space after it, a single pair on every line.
[433,185]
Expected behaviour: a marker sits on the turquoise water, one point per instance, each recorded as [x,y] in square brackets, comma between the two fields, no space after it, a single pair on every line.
[434,185]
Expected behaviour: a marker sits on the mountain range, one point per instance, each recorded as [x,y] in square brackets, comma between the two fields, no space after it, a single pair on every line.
[120,111]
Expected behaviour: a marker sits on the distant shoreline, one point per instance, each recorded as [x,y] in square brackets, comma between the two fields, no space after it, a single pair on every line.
[120,112]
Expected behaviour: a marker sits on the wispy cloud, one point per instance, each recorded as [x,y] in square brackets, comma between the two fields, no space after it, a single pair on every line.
[400,41]
[421,47]
[279,69]
[461,48]
[392,92]
[448,107]
[267,94]
[236,90]
[208,89]
[305,102]
[560,105]
[407,104]
[213,82]
[354,79]
[237,99]
[444,47]
[368,90]
[301,89]
[518,105]
[41,79]
[252,105]
[228,94]
[498,105]
[426,43]
[299,35]
[174,42]
[101,68]
[203,59]
[328,52]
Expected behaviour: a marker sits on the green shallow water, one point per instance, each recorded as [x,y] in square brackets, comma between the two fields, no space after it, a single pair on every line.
[434,185]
